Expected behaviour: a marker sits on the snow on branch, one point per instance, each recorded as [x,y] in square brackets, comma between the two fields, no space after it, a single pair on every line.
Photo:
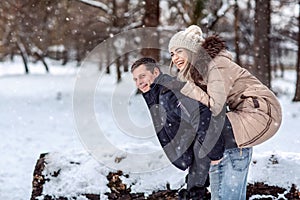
[97,4]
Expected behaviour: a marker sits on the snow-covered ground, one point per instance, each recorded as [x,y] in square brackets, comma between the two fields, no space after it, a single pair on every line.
[38,115]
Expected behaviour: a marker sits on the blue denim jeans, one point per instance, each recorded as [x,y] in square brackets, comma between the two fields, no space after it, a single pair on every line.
[228,179]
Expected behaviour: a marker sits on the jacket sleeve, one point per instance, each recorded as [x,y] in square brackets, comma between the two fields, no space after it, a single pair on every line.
[208,128]
[216,96]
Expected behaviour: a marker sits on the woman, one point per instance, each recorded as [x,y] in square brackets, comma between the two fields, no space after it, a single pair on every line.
[255,112]
[216,81]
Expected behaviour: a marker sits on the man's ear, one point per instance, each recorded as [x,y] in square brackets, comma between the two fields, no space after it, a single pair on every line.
[156,72]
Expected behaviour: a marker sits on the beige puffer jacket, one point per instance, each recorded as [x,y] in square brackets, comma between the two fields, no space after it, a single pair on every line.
[255,113]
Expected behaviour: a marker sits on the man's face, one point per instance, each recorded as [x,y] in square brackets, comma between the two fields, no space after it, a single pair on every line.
[143,78]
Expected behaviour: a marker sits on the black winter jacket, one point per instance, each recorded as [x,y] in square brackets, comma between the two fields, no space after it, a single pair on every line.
[178,121]
[181,124]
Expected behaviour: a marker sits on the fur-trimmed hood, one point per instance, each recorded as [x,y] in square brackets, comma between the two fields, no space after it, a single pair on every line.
[214,45]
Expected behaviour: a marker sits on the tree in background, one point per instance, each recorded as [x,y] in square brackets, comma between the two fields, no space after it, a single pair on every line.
[198,11]
[68,30]
[33,29]
[237,32]
[262,21]
[297,92]
[20,33]
[151,19]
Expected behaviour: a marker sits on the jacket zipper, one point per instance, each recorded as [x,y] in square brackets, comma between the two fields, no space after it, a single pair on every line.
[184,109]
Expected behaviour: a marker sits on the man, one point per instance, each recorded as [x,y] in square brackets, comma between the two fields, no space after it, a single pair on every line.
[181,124]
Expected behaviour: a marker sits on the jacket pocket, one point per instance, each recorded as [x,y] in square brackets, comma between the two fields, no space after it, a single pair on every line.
[253,98]
[240,158]
[254,104]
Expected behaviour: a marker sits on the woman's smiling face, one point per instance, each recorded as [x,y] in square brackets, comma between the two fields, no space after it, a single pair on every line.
[179,57]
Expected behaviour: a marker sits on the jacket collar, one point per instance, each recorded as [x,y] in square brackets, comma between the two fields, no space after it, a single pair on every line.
[152,96]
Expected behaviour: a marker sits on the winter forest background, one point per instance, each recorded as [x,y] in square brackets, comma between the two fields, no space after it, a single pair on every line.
[45,44]
[68,30]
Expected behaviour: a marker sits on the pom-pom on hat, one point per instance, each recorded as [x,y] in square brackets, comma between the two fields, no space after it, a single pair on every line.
[191,39]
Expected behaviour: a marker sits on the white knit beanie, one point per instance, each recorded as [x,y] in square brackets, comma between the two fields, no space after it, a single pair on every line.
[191,39]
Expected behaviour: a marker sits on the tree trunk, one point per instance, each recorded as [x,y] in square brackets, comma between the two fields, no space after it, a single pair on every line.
[262,66]
[64,57]
[108,57]
[281,67]
[151,19]
[118,67]
[41,58]
[278,65]
[24,56]
[125,62]
[236,30]
[199,7]
[297,92]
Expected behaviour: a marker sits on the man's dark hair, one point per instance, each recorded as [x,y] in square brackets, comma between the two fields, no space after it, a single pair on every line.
[150,64]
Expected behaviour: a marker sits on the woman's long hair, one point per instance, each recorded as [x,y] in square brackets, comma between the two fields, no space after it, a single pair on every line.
[199,66]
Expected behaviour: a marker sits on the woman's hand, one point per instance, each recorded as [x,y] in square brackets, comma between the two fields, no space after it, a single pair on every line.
[215,162]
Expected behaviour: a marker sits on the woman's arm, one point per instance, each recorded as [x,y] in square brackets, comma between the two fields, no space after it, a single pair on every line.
[216,95]
[215,101]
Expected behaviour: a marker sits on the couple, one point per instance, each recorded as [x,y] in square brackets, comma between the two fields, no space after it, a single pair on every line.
[188,113]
